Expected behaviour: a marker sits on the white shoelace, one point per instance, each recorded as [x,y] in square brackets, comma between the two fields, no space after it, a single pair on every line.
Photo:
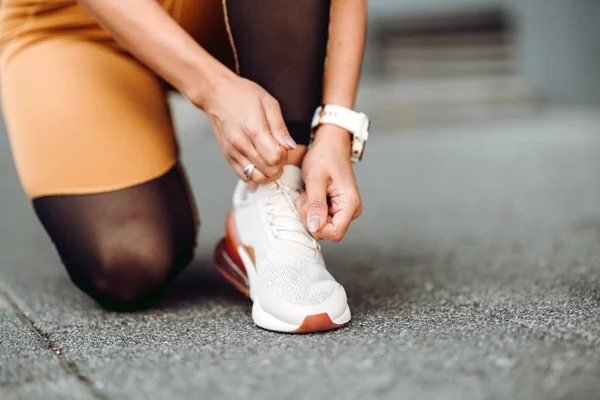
[284,218]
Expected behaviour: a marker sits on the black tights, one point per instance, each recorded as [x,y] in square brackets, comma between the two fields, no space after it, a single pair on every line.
[124,247]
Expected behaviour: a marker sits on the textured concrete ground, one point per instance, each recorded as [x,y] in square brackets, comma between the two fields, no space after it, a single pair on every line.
[473,274]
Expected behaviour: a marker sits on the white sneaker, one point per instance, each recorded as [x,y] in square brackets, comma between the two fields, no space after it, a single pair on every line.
[268,255]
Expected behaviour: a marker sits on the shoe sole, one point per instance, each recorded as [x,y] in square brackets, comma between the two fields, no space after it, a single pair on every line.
[229,263]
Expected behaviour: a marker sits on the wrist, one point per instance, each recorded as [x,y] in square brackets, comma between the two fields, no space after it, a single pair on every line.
[332,135]
[203,80]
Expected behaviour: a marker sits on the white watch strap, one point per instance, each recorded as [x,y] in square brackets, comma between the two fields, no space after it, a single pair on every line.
[337,115]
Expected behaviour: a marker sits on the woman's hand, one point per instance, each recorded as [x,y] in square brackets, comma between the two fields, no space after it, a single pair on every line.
[249,127]
[246,119]
[331,200]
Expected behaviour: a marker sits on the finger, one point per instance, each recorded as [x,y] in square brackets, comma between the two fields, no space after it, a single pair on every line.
[256,176]
[244,146]
[358,212]
[301,208]
[239,162]
[277,125]
[272,172]
[259,132]
[336,228]
[316,202]
[356,204]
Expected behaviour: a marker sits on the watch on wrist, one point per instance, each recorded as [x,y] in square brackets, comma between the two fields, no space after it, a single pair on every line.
[356,123]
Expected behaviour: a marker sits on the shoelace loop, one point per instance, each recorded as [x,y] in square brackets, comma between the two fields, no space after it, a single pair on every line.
[284,219]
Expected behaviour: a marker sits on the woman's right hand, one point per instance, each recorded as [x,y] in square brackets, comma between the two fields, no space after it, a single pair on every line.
[249,127]
[246,119]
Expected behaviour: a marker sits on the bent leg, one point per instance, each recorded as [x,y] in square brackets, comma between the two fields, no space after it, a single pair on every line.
[281,45]
[92,138]
[123,247]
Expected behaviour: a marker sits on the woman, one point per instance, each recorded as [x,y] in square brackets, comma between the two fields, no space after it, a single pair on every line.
[83,88]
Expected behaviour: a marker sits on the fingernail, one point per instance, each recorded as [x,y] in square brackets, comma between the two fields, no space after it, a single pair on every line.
[290,142]
[313,224]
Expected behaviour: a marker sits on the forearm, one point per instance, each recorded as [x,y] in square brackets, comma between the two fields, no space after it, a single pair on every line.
[347,31]
[144,29]
[345,50]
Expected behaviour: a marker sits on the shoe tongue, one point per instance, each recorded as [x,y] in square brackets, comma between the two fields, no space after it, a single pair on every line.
[292,178]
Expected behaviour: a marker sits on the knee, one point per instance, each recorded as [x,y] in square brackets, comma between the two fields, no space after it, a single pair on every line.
[129,279]
[129,276]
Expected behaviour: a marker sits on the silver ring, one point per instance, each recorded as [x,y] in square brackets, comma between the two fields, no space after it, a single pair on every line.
[248,170]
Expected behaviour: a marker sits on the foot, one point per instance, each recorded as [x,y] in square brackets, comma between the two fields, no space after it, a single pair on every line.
[269,256]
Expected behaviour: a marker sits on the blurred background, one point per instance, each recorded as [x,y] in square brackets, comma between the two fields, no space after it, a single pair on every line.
[439,62]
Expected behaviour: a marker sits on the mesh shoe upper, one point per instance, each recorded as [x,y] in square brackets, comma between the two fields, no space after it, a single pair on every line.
[289,263]
[295,279]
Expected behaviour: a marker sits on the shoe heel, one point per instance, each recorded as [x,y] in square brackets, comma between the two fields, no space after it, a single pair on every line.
[228,261]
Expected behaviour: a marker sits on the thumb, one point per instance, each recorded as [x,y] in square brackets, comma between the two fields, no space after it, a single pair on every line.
[316,202]
[301,208]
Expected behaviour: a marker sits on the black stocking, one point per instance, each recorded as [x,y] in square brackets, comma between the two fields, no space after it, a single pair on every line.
[281,45]
[123,247]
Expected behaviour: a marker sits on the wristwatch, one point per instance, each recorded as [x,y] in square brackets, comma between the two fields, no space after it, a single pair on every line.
[354,122]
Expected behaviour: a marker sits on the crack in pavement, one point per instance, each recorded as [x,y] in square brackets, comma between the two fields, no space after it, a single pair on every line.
[69,365]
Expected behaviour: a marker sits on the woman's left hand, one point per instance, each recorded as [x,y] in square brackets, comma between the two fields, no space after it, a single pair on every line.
[331,200]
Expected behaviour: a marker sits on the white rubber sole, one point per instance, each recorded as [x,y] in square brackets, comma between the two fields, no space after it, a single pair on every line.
[269,322]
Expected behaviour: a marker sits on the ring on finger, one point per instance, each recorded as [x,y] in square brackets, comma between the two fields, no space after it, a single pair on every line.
[248,170]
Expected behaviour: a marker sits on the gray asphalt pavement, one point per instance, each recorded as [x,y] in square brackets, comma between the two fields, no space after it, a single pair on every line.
[473,274]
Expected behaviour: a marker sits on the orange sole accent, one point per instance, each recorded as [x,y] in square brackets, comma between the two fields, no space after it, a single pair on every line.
[224,268]
[228,247]
[317,323]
